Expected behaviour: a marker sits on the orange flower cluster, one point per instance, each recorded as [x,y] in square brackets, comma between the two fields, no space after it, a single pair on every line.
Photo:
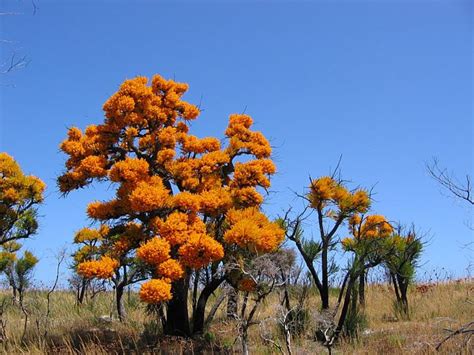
[251,229]
[16,188]
[247,197]
[187,202]
[253,173]
[326,190]
[179,227]
[129,170]
[376,226]
[90,234]
[85,162]
[171,269]
[149,195]
[243,139]
[370,227]
[155,291]
[192,144]
[366,230]
[155,251]
[102,269]
[199,250]
[103,211]
[197,174]
[216,201]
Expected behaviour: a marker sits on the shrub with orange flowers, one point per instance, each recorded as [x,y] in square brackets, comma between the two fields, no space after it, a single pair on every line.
[181,190]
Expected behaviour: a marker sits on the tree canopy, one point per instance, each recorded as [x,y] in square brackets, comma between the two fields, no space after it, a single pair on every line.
[181,202]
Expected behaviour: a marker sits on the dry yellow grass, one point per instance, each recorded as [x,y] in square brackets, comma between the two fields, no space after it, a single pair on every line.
[80,329]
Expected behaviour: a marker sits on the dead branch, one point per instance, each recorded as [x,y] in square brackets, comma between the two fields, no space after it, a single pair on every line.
[462,190]
[465,329]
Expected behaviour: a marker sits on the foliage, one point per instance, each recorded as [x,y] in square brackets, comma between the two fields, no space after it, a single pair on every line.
[332,196]
[401,263]
[370,238]
[406,252]
[17,269]
[19,196]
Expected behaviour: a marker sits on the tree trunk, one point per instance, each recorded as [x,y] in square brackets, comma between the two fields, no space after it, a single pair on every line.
[215,307]
[345,308]
[403,287]
[199,312]
[395,287]
[232,303]
[177,318]
[195,289]
[119,301]
[82,291]
[245,341]
[362,289]
[309,263]
[15,295]
[325,284]
[20,296]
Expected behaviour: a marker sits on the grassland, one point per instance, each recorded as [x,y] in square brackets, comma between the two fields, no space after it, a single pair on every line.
[88,328]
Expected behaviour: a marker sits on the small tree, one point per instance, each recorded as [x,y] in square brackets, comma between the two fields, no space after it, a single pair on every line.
[18,270]
[333,204]
[401,263]
[96,245]
[19,196]
[370,246]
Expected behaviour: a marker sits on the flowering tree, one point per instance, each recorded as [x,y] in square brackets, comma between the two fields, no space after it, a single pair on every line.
[334,204]
[370,245]
[369,240]
[183,203]
[19,196]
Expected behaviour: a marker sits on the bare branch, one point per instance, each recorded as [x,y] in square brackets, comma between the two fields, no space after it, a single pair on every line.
[465,329]
[14,64]
[450,183]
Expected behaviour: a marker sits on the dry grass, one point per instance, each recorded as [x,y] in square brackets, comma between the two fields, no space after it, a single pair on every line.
[85,329]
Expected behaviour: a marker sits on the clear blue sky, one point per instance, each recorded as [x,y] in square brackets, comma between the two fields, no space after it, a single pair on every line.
[386,84]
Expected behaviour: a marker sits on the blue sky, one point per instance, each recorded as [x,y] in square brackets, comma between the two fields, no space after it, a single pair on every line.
[386,84]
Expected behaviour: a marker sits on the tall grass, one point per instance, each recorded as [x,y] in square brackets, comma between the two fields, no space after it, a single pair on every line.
[93,327]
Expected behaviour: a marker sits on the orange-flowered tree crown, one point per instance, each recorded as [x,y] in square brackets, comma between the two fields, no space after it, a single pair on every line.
[180,191]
